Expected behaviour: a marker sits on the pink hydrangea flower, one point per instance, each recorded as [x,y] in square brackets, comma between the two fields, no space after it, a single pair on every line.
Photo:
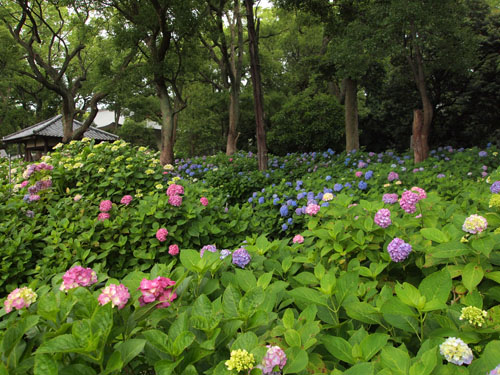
[34,197]
[175,189]
[173,249]
[78,276]
[118,295]
[175,200]
[312,209]
[359,174]
[420,192]
[204,201]
[103,216]
[475,224]
[77,197]
[392,176]
[161,234]
[105,206]
[408,201]
[126,200]
[298,239]
[24,183]
[275,357]
[19,298]
[383,218]
[157,290]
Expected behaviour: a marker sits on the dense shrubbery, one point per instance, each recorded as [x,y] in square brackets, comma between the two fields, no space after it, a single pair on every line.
[322,270]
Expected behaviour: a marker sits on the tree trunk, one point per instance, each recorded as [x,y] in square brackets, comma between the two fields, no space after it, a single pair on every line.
[351,115]
[234,114]
[419,140]
[257,88]
[167,126]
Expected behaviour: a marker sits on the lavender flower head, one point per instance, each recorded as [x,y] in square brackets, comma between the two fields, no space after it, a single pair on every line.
[495,371]
[210,248]
[392,176]
[275,359]
[408,201]
[456,351]
[398,250]
[390,198]
[224,253]
[383,218]
[495,187]
[241,257]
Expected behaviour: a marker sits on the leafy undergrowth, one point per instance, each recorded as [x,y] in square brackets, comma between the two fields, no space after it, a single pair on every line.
[196,269]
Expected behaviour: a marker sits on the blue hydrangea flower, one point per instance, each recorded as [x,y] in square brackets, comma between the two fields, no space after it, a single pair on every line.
[338,187]
[284,211]
[362,185]
[241,257]
[284,227]
[261,200]
[299,211]
[276,201]
[368,175]
[328,178]
[250,200]
[290,221]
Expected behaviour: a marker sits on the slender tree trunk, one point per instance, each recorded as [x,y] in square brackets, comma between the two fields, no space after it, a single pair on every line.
[68,114]
[167,126]
[257,88]
[351,115]
[234,114]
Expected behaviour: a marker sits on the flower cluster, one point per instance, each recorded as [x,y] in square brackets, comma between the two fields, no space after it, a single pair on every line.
[118,295]
[241,257]
[174,192]
[19,298]
[408,201]
[495,187]
[204,201]
[392,176]
[473,315]
[32,168]
[126,200]
[240,360]
[456,351]
[475,224]
[383,218]
[161,234]
[495,201]
[390,198]
[312,209]
[78,276]
[105,206]
[157,290]
[173,249]
[327,197]
[298,239]
[210,248]
[495,371]
[274,360]
[420,192]
[398,250]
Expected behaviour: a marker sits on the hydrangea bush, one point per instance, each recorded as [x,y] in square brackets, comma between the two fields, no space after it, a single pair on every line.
[212,283]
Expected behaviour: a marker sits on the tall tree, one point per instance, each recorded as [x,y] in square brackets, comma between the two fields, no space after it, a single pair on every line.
[258,97]
[226,49]
[60,41]
[163,29]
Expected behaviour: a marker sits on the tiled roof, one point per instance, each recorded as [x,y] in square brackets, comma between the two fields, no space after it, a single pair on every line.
[53,127]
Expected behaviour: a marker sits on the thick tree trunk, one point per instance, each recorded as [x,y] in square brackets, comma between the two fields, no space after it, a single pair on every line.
[418,139]
[167,127]
[351,115]
[234,114]
[257,88]
[68,112]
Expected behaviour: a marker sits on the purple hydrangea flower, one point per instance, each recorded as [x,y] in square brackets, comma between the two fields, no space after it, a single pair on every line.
[224,253]
[210,248]
[483,154]
[441,175]
[383,218]
[392,176]
[390,198]
[495,187]
[241,257]
[398,250]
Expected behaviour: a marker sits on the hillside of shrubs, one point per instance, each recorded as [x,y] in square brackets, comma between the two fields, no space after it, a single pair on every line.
[326,263]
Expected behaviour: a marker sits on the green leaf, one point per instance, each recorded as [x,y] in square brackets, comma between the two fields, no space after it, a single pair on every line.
[339,348]
[16,332]
[426,363]
[115,363]
[361,369]
[230,302]
[297,360]
[246,341]
[488,359]
[395,359]
[292,338]
[77,369]
[308,296]
[157,338]
[495,276]
[246,279]
[61,344]
[400,315]
[485,245]
[436,286]
[288,319]
[371,345]
[130,349]
[408,294]
[45,365]
[435,235]
[472,276]
[362,311]
[449,250]
[181,342]
[264,280]
[48,307]
[189,259]
[251,300]
[347,284]
[3,369]
[166,367]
